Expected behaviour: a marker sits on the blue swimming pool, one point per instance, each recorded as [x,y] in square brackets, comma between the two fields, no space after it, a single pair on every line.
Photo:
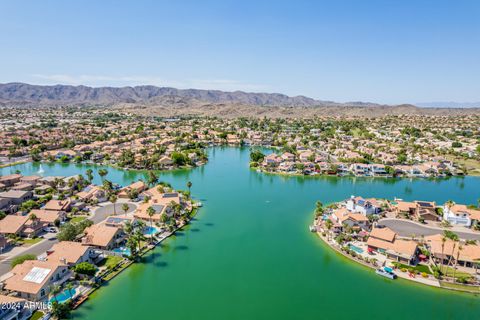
[63,296]
[123,251]
[149,231]
[355,248]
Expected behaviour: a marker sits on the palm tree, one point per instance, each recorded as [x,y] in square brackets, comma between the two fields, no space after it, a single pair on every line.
[113,199]
[152,178]
[189,185]
[102,173]
[69,287]
[460,248]
[89,174]
[125,208]
[55,289]
[150,213]
[444,239]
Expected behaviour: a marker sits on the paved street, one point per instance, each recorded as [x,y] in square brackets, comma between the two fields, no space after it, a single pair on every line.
[36,249]
[407,228]
[101,213]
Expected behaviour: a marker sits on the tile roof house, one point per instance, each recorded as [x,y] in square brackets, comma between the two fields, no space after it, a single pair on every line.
[384,240]
[102,237]
[468,257]
[33,279]
[69,252]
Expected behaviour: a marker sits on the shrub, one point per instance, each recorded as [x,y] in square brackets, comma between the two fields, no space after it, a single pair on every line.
[403,269]
[85,268]
[23,258]
[424,274]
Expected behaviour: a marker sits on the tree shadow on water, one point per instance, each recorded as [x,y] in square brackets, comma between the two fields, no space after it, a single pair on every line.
[210,224]
[181,247]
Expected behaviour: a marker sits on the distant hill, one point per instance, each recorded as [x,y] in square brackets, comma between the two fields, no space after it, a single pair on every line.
[448,104]
[164,101]
[21,93]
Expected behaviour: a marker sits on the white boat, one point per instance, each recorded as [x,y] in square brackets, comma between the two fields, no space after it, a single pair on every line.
[387,274]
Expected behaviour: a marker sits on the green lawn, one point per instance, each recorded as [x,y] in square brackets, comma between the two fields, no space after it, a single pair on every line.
[36,315]
[419,267]
[78,219]
[110,261]
[459,286]
[30,242]
[449,272]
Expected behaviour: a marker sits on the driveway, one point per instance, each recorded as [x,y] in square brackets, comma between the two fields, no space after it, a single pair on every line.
[408,228]
[105,210]
[37,249]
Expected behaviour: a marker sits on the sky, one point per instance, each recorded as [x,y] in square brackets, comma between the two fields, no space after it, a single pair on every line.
[388,51]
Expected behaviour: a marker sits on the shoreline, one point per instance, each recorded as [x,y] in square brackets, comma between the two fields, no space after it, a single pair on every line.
[400,274]
[105,279]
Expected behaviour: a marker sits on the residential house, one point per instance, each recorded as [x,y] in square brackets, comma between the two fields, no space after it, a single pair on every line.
[102,236]
[460,214]
[426,210]
[384,240]
[448,250]
[33,279]
[70,253]
[360,205]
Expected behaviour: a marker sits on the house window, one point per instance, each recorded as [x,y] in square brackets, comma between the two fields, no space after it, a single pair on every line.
[42,292]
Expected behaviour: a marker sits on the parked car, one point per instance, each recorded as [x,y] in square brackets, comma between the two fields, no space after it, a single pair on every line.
[50,229]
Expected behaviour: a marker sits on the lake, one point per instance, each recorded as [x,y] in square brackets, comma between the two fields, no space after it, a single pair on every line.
[249,255]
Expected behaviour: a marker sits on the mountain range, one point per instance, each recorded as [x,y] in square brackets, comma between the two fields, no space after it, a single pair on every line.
[166,101]
[22,93]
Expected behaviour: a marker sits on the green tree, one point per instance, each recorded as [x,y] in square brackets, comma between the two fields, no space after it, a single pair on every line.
[102,173]
[85,268]
[125,208]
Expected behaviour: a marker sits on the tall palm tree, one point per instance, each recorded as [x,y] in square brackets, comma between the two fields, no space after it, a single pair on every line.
[444,239]
[89,174]
[150,213]
[125,208]
[189,185]
[152,178]
[113,199]
[69,287]
[55,289]
[460,248]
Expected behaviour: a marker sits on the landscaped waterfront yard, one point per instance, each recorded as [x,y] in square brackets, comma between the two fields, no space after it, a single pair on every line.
[419,267]
[110,262]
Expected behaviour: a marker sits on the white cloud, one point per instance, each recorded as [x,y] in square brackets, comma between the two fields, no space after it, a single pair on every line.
[102,80]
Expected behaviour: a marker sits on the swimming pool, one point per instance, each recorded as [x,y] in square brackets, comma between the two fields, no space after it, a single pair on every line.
[123,251]
[63,296]
[355,248]
[149,231]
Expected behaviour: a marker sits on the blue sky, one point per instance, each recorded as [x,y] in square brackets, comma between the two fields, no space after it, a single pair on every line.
[358,50]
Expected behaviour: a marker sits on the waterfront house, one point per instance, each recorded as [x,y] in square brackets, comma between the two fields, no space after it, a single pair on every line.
[138,187]
[378,169]
[344,217]
[33,279]
[272,160]
[384,240]
[404,208]
[360,169]
[13,308]
[70,253]
[102,236]
[426,210]
[92,193]
[460,214]
[360,205]
[443,252]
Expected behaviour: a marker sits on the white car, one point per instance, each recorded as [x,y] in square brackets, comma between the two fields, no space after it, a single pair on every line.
[49,229]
